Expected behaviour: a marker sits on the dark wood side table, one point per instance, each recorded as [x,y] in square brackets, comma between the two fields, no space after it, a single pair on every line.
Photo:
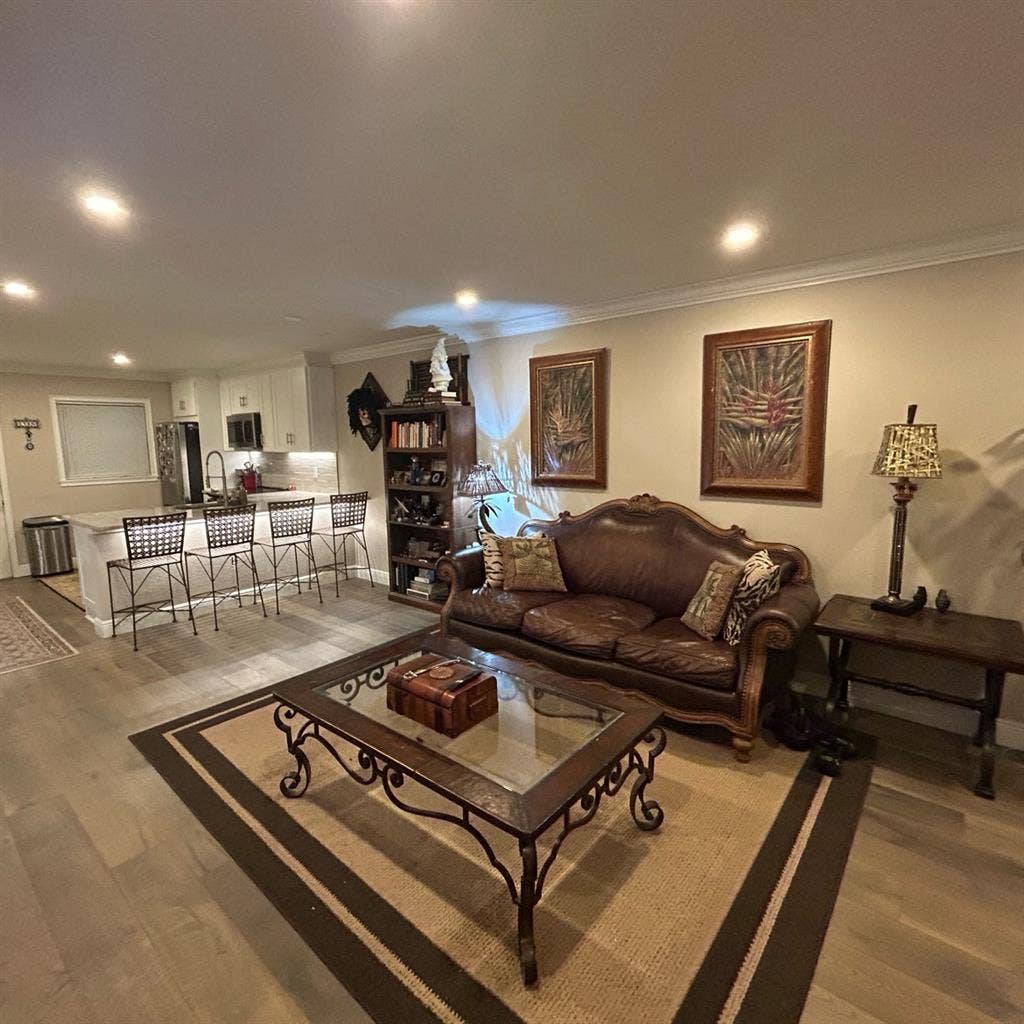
[995,645]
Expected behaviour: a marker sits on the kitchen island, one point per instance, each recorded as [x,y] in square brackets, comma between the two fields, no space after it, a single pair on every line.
[99,538]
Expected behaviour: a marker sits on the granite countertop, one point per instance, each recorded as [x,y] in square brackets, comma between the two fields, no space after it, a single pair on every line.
[110,522]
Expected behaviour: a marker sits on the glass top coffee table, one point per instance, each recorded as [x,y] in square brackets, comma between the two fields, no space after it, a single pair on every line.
[556,746]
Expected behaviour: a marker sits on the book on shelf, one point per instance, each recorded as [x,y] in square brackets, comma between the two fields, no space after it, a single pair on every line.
[426,433]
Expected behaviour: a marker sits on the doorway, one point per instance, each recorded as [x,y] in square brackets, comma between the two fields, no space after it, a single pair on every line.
[7,561]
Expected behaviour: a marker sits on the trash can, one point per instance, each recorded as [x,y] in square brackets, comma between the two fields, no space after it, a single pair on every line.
[48,539]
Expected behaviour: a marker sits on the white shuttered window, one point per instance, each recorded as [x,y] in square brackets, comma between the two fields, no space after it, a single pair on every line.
[103,440]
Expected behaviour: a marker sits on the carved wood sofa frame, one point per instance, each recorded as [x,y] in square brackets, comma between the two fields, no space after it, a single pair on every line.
[775,626]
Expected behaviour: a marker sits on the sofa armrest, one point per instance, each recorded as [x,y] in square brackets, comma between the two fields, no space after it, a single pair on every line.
[464,569]
[789,613]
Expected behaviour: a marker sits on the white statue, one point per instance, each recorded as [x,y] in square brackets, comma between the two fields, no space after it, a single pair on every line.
[440,375]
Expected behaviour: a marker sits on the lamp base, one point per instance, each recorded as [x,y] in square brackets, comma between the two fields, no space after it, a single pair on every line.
[897,605]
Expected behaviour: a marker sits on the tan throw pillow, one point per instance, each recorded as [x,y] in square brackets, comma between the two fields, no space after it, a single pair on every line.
[707,608]
[531,563]
[760,580]
[494,562]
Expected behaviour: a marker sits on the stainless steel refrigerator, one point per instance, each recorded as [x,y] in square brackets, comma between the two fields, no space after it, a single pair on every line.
[179,462]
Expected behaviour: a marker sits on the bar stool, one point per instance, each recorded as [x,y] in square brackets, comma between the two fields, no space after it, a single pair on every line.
[348,519]
[229,541]
[291,526]
[155,545]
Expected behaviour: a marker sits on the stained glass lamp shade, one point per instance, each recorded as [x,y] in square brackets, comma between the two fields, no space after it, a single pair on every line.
[909,451]
[480,483]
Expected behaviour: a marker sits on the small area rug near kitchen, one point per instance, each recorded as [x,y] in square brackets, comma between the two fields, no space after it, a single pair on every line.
[717,918]
[66,584]
[25,640]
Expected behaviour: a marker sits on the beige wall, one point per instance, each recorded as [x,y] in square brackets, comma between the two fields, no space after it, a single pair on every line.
[33,477]
[950,338]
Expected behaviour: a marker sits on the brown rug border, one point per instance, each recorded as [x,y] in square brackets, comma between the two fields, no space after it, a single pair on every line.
[777,992]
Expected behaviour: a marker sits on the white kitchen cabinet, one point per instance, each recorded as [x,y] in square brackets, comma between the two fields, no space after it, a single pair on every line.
[184,399]
[298,412]
[242,394]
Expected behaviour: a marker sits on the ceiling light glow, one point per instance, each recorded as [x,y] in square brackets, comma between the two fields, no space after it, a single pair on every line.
[740,236]
[19,290]
[120,359]
[467,298]
[104,206]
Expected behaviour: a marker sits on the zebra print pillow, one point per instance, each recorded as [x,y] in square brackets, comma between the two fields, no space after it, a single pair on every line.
[494,563]
[760,580]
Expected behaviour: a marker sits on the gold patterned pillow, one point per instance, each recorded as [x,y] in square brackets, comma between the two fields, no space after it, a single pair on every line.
[494,563]
[708,607]
[531,563]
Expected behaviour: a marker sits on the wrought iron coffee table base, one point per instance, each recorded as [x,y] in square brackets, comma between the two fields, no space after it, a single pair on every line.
[372,765]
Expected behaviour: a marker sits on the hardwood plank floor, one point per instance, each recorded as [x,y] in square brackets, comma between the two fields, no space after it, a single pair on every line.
[119,908]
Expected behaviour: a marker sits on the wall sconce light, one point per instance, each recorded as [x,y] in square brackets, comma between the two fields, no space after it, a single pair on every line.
[28,425]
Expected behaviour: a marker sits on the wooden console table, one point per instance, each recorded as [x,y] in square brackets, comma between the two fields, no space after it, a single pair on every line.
[995,645]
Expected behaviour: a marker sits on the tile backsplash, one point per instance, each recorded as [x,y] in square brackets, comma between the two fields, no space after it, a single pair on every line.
[308,471]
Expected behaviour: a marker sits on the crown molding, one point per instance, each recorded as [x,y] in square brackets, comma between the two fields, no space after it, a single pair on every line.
[97,372]
[997,241]
[387,348]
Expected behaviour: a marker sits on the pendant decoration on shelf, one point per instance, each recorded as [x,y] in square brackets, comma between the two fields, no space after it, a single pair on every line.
[28,425]
[364,405]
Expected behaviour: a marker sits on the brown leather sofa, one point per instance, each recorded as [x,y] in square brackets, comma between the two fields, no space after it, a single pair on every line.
[631,567]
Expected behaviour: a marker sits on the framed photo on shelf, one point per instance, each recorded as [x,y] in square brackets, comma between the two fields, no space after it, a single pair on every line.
[763,426]
[569,419]
[437,478]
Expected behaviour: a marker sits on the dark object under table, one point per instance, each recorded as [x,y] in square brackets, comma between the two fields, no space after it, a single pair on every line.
[994,645]
[544,761]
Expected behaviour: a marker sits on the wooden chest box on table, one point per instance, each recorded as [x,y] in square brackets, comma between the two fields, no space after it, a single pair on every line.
[447,695]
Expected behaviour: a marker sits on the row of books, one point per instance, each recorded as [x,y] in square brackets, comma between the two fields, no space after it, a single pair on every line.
[427,433]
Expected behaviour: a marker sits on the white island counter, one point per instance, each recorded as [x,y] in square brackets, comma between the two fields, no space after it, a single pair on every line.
[99,538]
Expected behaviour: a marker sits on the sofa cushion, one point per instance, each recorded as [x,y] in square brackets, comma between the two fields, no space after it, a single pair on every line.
[499,609]
[531,563]
[586,623]
[494,563]
[669,648]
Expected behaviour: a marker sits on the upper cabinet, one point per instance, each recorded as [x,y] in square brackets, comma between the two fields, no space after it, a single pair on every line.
[184,399]
[242,394]
[295,403]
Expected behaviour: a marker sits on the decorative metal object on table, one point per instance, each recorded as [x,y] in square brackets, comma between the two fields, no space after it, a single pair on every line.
[480,483]
[995,645]
[488,774]
[28,424]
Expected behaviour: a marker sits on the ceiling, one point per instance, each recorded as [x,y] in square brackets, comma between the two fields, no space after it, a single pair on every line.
[357,163]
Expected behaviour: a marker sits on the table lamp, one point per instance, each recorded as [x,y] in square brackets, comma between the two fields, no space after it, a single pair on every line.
[479,484]
[910,451]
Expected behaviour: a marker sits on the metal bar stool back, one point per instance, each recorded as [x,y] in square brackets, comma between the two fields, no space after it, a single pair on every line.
[291,527]
[155,546]
[348,519]
[230,534]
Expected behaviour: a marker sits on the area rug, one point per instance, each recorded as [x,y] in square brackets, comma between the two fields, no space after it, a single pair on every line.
[26,640]
[716,918]
[68,585]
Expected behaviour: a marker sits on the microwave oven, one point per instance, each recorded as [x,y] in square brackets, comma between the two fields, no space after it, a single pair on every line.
[245,432]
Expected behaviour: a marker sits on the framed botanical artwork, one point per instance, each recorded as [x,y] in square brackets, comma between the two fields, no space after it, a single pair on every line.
[764,412]
[364,405]
[569,419]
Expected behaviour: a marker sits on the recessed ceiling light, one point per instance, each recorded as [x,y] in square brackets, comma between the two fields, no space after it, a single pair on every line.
[466,298]
[294,318]
[19,290]
[120,359]
[103,205]
[740,236]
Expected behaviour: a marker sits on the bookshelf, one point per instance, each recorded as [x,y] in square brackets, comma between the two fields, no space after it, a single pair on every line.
[428,449]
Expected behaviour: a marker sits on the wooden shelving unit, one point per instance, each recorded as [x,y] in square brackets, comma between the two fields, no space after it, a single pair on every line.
[455,428]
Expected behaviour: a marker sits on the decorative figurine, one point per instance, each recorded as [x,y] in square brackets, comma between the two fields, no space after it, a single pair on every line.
[440,374]
[942,601]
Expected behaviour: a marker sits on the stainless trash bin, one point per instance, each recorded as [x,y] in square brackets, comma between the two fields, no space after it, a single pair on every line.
[48,539]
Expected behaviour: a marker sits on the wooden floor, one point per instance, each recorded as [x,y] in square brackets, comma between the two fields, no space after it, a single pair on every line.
[118,908]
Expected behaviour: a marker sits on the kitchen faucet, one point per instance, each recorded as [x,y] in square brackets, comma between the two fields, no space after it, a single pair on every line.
[223,474]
